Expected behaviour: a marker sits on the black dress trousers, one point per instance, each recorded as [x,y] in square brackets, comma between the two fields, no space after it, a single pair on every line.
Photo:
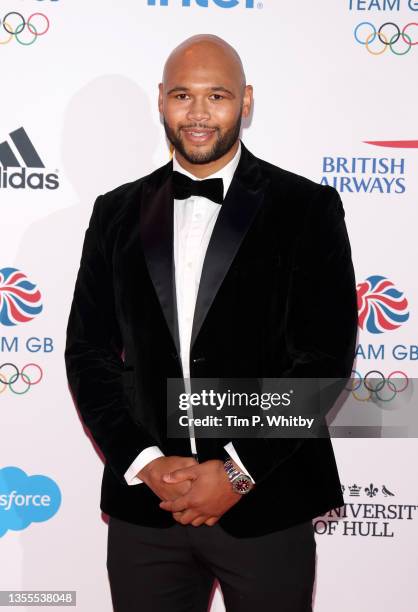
[173,569]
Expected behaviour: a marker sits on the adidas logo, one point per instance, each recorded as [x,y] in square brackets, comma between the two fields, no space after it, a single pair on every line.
[9,158]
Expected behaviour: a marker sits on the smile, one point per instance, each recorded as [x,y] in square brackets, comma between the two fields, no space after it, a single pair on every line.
[198,136]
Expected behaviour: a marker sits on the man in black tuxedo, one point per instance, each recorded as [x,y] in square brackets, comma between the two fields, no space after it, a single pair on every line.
[247,273]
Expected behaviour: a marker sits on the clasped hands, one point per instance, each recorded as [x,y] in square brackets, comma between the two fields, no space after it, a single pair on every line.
[195,493]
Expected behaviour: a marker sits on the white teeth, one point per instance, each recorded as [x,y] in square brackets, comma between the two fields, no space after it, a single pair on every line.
[198,133]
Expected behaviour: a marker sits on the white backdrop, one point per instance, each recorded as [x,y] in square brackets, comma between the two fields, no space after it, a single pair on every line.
[85,93]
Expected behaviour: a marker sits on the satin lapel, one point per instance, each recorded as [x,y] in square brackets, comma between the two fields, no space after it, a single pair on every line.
[243,200]
[156,231]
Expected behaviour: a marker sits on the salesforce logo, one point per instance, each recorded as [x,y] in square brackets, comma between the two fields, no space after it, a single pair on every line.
[26,499]
[249,4]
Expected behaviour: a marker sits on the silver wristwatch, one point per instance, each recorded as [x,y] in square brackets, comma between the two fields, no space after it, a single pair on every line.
[241,483]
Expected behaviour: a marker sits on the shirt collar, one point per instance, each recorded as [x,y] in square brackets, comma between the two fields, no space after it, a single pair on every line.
[226,173]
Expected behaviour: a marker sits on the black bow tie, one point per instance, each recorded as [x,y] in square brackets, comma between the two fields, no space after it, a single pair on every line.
[184,187]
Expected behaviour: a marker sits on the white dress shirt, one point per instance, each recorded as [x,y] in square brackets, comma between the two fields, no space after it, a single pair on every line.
[194,220]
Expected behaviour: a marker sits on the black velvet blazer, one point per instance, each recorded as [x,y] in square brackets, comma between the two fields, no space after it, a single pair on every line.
[277,298]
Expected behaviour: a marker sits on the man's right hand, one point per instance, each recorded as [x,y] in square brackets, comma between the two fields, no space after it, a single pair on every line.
[152,474]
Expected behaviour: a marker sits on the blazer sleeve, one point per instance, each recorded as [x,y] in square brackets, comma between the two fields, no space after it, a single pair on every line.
[93,358]
[320,321]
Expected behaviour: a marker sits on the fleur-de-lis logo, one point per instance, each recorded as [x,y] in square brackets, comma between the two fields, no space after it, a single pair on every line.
[371,490]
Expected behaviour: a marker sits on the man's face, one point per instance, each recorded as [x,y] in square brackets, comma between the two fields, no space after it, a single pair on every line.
[202,102]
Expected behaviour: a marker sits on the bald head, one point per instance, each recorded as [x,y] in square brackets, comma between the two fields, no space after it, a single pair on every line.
[205,50]
[202,99]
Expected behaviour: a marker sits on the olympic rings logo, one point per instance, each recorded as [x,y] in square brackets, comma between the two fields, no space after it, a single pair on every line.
[14,24]
[31,374]
[398,41]
[376,385]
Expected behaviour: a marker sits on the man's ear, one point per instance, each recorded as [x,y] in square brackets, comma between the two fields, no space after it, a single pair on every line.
[247,100]
[160,98]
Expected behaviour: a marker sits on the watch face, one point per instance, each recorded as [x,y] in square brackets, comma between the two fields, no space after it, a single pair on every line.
[242,484]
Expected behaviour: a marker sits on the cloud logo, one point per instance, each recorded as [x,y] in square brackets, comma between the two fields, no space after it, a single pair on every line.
[26,499]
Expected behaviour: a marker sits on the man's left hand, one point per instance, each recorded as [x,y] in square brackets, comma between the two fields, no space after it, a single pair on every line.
[211,494]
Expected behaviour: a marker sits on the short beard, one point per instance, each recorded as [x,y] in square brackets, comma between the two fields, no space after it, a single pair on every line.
[221,147]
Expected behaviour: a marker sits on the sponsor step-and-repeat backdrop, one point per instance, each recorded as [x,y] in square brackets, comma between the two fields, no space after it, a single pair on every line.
[335,100]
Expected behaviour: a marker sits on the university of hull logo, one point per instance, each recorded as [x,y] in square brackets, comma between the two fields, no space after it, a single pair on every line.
[30,159]
[26,499]
[381,306]
[371,510]
[20,300]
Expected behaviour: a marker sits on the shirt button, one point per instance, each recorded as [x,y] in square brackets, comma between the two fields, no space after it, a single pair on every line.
[189,264]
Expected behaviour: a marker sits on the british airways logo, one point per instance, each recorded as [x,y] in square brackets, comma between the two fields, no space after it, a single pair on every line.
[368,173]
[394,144]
